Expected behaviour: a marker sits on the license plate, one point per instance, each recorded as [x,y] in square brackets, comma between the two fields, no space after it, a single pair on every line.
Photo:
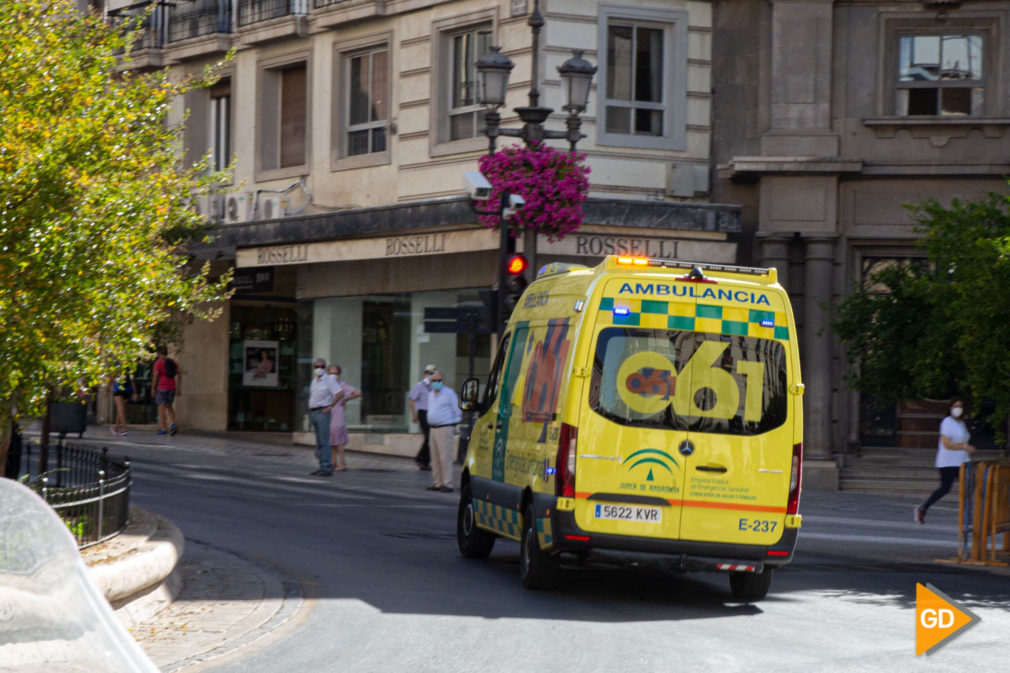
[630,513]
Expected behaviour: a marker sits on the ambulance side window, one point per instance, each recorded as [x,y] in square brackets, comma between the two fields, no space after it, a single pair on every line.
[494,378]
[514,366]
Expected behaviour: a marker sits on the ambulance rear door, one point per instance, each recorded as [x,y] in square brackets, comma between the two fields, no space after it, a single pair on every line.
[732,399]
[630,477]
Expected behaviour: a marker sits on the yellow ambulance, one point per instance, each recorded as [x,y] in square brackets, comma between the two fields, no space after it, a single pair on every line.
[644,405]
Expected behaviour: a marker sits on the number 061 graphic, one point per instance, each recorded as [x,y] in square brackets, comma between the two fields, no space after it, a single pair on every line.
[648,382]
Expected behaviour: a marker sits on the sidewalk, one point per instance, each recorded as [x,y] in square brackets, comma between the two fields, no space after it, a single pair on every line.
[187,602]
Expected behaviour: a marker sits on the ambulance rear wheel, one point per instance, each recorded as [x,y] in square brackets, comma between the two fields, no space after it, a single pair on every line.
[473,541]
[537,568]
[750,587]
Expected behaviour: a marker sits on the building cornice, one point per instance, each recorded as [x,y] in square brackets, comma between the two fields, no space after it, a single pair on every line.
[454,213]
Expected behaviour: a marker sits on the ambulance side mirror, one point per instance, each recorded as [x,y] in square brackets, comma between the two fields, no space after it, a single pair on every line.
[469,395]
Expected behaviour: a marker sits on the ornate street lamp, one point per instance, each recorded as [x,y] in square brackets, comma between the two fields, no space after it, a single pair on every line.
[576,79]
[493,71]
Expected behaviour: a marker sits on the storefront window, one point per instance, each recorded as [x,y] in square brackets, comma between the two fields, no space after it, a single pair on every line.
[381,345]
[261,368]
[385,373]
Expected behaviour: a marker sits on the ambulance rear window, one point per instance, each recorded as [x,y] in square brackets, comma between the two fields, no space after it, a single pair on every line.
[695,381]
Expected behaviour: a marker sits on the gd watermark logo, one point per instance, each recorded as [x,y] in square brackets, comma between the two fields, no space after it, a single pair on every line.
[938,619]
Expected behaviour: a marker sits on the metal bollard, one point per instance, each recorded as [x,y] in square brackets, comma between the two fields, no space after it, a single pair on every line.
[101,501]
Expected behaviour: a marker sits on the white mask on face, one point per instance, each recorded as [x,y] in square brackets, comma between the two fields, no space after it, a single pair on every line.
[956,412]
[318,371]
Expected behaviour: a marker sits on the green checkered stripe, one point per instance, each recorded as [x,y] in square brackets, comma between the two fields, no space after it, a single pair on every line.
[650,307]
[545,533]
[506,521]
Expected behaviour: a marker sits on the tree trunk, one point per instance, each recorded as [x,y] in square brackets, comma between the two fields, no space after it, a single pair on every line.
[6,425]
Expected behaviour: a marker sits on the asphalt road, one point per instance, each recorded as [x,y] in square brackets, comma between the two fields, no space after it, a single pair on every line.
[388,591]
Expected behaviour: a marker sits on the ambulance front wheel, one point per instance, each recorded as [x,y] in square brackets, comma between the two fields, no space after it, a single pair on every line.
[473,542]
[750,587]
[537,568]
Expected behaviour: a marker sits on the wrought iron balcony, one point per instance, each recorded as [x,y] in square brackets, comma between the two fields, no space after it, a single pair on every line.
[194,18]
[318,4]
[153,22]
[255,11]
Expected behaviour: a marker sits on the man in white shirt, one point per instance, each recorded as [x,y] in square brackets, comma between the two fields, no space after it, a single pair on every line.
[324,393]
[443,415]
[419,413]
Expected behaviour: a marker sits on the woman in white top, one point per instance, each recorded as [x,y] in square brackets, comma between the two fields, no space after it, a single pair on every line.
[952,450]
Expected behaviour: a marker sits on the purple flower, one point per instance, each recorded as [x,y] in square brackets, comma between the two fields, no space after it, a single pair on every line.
[554,185]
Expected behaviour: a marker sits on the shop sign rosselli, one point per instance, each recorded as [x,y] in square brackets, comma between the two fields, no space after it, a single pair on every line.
[436,243]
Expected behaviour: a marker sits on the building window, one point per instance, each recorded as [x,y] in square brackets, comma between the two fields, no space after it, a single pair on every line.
[369,336]
[293,99]
[634,80]
[643,78]
[457,41]
[940,75]
[367,102]
[284,118]
[466,116]
[220,126]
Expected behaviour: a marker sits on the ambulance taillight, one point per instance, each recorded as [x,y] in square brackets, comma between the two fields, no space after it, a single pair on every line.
[566,461]
[795,479]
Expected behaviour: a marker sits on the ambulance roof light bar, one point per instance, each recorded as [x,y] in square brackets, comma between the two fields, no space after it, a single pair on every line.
[623,260]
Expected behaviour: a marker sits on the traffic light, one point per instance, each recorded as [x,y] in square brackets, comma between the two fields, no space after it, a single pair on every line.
[515,281]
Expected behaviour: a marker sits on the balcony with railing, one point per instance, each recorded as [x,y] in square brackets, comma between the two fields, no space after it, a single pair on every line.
[264,20]
[150,18]
[199,28]
[329,13]
[197,18]
[257,11]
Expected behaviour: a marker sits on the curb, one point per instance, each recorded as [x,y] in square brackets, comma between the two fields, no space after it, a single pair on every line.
[135,570]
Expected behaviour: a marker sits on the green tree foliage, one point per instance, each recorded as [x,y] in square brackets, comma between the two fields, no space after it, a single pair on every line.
[942,326]
[94,206]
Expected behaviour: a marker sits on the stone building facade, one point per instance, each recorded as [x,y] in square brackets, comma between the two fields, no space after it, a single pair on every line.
[350,123]
[828,117]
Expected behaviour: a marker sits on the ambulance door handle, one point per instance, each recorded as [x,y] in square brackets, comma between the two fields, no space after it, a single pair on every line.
[710,468]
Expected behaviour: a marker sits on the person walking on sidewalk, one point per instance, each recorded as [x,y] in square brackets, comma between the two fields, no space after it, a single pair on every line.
[952,450]
[123,390]
[338,420]
[443,415]
[419,413]
[166,385]
[324,394]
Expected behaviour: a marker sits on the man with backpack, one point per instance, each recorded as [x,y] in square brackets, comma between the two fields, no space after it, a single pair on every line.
[164,387]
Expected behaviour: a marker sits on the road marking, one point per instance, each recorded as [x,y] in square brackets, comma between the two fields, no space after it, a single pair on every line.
[850,521]
[877,539]
[342,505]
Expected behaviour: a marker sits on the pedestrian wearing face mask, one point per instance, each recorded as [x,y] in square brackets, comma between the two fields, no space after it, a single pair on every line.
[952,450]
[443,415]
[338,420]
[419,413]
[324,394]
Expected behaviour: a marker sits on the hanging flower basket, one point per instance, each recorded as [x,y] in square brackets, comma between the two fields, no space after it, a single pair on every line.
[553,183]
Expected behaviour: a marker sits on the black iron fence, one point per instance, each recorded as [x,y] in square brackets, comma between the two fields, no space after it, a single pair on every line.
[317,4]
[86,487]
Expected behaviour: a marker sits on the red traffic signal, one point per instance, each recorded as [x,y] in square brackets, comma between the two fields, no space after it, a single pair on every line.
[516,265]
